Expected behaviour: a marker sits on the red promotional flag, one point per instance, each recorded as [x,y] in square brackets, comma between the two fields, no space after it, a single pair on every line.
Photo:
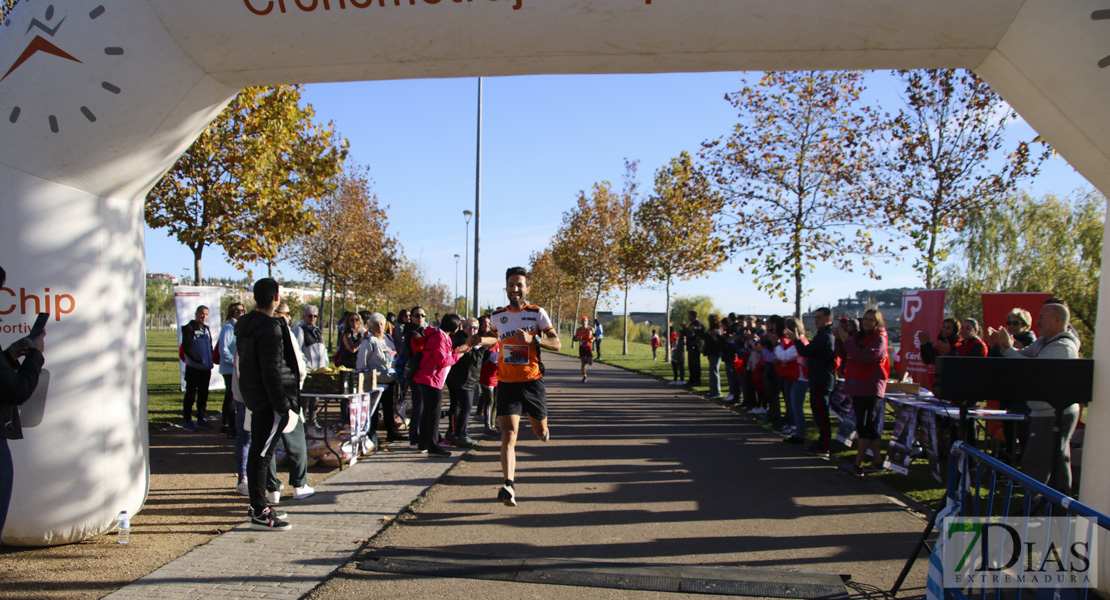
[922,310]
[996,305]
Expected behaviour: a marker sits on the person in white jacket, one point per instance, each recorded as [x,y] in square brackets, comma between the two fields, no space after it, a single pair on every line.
[1047,456]
[310,339]
[379,353]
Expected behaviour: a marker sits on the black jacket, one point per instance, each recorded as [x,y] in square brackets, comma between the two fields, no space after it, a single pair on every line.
[268,374]
[465,373]
[17,383]
[820,355]
[695,331]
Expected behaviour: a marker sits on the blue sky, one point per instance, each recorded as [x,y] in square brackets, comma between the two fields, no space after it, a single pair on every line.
[544,139]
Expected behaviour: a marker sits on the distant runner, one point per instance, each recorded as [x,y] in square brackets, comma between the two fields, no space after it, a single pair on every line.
[521,329]
[585,335]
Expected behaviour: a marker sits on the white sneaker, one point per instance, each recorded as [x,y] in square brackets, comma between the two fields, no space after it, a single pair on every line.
[241,489]
[507,495]
[728,398]
[303,492]
[273,497]
[759,410]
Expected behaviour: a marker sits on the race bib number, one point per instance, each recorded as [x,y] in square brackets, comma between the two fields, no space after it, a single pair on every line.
[514,354]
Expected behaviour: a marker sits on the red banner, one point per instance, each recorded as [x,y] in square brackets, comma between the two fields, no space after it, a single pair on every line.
[922,311]
[997,305]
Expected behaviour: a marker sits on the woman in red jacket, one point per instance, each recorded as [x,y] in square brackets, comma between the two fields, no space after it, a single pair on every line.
[866,369]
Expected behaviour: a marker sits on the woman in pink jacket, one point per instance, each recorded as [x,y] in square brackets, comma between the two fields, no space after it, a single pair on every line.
[866,369]
[438,356]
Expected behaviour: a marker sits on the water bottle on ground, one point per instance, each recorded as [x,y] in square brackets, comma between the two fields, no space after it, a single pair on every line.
[124,521]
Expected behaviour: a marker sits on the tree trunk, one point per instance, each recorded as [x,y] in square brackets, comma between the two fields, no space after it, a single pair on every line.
[667,340]
[323,298]
[559,312]
[624,347]
[196,264]
[798,293]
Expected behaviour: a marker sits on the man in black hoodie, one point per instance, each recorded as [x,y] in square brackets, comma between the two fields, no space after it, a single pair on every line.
[269,383]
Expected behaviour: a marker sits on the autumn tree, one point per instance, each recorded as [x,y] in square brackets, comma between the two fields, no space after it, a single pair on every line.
[549,285]
[948,160]
[1025,244]
[794,173]
[349,246]
[584,243]
[244,183]
[410,287]
[632,266]
[676,231]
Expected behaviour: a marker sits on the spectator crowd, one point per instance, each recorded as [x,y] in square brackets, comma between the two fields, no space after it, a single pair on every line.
[774,369]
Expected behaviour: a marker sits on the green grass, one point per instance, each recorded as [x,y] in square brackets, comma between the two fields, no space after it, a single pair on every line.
[163,380]
[918,485]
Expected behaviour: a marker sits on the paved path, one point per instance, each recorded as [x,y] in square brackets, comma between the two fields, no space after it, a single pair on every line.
[328,529]
[636,472]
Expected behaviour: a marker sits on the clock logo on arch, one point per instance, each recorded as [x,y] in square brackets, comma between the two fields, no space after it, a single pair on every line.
[45,53]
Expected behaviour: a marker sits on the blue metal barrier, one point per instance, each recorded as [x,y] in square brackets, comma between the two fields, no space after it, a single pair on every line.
[983,486]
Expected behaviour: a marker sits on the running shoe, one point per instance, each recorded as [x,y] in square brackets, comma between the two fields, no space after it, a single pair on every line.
[438,453]
[871,468]
[794,440]
[852,470]
[507,495]
[269,521]
[300,493]
[759,410]
[241,489]
[817,451]
[189,426]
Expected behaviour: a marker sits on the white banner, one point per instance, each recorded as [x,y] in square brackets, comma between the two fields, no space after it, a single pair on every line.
[187,299]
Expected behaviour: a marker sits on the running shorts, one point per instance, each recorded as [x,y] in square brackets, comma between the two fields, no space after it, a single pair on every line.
[520,398]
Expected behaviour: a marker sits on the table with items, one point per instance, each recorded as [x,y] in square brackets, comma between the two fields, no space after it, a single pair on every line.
[927,420]
[339,427]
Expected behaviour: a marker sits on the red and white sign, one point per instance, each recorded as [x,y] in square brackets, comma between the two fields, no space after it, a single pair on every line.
[922,311]
[996,305]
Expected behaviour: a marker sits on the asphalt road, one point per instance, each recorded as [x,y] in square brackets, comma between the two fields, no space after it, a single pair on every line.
[638,473]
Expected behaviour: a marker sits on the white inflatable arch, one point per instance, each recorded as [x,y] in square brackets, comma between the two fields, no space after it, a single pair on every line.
[98,98]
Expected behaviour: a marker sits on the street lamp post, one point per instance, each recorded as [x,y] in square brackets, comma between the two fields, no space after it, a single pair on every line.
[457,283]
[466,268]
